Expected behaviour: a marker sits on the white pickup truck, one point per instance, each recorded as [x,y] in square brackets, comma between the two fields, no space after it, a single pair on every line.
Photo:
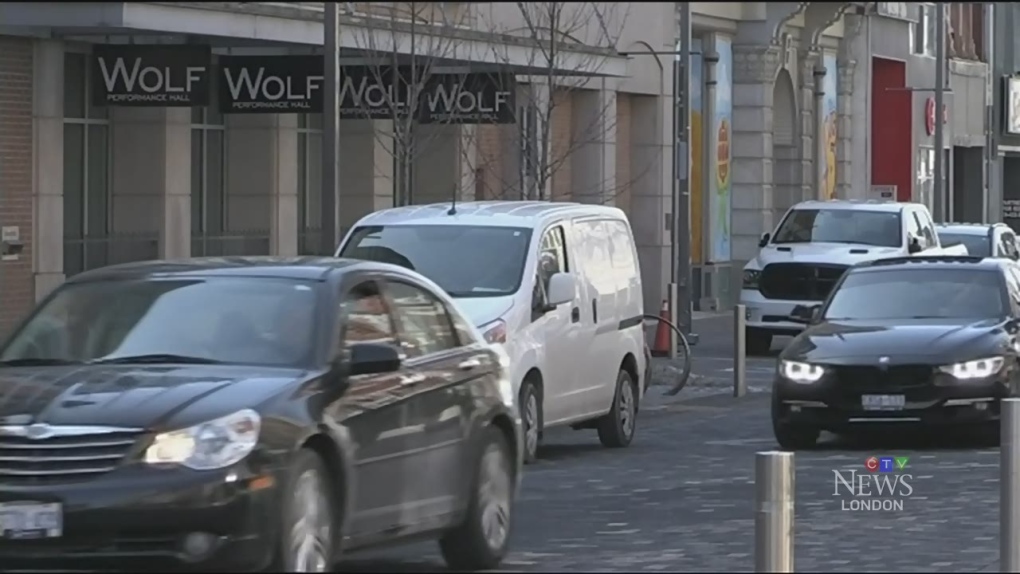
[814,243]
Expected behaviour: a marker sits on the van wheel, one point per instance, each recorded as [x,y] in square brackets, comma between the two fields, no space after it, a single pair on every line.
[531,419]
[481,541]
[616,428]
[758,342]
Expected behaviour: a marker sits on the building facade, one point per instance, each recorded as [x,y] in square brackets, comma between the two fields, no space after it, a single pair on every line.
[780,92]
[1005,199]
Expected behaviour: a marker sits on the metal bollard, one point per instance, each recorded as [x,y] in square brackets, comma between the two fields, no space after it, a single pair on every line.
[1009,487]
[739,351]
[773,511]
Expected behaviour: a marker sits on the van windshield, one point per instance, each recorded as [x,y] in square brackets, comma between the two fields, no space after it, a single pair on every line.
[465,260]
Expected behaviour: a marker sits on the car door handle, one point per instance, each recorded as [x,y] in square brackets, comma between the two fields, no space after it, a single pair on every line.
[411,380]
[575,315]
[469,364]
[595,310]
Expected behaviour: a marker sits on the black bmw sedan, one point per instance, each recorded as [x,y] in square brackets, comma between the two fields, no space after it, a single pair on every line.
[251,413]
[916,340]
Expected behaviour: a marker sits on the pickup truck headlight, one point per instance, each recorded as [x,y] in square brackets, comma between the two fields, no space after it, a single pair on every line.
[751,277]
[977,369]
[801,372]
[212,445]
[494,332]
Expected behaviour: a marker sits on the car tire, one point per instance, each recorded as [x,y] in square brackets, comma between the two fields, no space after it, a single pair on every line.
[531,419]
[307,521]
[757,341]
[481,541]
[616,428]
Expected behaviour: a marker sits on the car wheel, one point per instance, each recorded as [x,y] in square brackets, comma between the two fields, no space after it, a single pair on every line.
[531,419]
[757,342]
[616,429]
[306,543]
[480,542]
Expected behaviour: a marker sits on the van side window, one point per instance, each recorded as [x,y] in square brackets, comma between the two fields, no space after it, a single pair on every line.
[552,259]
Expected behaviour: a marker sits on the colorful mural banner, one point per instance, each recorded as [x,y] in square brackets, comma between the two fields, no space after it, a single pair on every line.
[697,154]
[830,126]
[722,123]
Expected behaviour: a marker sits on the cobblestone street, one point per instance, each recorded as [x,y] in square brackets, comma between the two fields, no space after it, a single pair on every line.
[680,499]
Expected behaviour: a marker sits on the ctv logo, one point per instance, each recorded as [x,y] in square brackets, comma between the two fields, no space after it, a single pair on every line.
[882,486]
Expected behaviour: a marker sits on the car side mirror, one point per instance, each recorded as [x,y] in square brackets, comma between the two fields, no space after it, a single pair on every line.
[913,246]
[562,288]
[805,314]
[764,240]
[373,359]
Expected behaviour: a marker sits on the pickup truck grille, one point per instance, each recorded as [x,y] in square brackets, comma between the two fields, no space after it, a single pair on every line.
[799,281]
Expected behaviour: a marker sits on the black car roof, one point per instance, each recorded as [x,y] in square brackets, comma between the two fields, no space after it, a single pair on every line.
[934,261]
[305,267]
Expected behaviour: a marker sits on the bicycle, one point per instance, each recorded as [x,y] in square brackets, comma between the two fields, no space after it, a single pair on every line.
[683,355]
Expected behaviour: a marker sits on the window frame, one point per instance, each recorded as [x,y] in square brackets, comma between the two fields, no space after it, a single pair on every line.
[87,123]
[922,31]
[307,129]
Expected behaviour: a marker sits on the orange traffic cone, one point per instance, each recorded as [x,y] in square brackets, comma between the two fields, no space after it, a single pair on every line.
[660,347]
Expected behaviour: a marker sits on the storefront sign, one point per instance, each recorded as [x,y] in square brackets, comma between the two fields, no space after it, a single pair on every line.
[929,115]
[270,84]
[1012,103]
[150,76]
[282,84]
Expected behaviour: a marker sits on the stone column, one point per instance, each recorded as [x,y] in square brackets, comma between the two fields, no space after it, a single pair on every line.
[365,164]
[811,138]
[754,72]
[844,127]
[283,208]
[444,163]
[151,177]
[593,161]
[819,72]
[48,124]
[262,166]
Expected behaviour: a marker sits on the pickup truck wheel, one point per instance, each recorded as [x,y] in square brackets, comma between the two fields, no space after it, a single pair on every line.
[758,342]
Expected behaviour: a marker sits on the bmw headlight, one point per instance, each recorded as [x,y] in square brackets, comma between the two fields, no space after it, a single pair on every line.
[801,372]
[977,369]
[211,445]
[751,277]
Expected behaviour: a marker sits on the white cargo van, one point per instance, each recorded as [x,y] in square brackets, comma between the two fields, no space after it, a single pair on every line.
[558,284]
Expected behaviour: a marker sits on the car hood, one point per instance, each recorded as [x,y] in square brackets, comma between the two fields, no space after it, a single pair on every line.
[484,310]
[155,397]
[902,340]
[841,253]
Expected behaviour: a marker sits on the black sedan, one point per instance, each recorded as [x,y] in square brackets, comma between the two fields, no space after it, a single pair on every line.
[908,341]
[251,413]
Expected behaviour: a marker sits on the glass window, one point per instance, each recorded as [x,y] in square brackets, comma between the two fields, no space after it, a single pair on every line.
[465,260]
[924,30]
[976,244]
[424,325]
[1008,242]
[922,237]
[365,317]
[75,72]
[1013,283]
[878,228]
[231,320]
[893,294]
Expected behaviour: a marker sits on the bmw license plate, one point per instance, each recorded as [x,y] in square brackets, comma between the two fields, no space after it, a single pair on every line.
[883,402]
[22,520]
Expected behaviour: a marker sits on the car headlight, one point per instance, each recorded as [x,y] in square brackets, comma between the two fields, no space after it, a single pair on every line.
[977,369]
[801,372]
[751,277]
[495,332]
[211,445]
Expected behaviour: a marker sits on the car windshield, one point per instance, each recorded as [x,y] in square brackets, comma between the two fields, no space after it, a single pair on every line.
[255,321]
[465,260]
[918,294]
[975,244]
[878,228]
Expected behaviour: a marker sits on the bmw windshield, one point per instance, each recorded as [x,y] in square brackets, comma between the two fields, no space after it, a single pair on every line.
[465,260]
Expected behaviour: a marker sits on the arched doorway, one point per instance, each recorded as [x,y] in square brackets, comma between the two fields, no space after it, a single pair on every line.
[786,168]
